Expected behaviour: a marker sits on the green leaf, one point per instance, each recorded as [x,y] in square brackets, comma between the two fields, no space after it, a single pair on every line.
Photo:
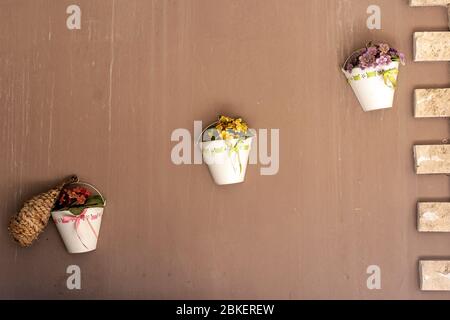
[94,201]
[76,210]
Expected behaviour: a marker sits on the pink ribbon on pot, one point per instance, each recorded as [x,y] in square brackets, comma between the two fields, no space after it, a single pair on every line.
[77,220]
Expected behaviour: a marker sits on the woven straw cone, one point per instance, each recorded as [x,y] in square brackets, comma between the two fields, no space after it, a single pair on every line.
[27,225]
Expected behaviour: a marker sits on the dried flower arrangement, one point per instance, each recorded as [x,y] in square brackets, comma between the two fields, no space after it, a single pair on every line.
[227,128]
[374,56]
[75,199]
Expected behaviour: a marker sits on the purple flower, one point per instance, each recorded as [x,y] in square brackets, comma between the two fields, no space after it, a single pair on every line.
[349,67]
[383,60]
[374,55]
[402,58]
[372,51]
[393,53]
[392,50]
[384,48]
[367,60]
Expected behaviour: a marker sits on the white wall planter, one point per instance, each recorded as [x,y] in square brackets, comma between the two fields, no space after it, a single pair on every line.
[79,233]
[374,87]
[227,159]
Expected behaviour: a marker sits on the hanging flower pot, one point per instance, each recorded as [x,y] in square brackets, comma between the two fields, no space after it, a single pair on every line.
[78,217]
[372,73]
[226,146]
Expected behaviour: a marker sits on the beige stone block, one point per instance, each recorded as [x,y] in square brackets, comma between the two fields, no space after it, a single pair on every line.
[433,217]
[434,275]
[432,103]
[432,46]
[425,3]
[432,159]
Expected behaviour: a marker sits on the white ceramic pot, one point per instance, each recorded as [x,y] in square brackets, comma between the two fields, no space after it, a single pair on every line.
[227,159]
[79,233]
[374,87]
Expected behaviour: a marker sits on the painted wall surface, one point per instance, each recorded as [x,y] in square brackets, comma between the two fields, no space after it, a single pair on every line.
[104,100]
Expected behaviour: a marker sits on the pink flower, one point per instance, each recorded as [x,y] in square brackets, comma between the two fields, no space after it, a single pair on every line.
[367,60]
[372,51]
[383,60]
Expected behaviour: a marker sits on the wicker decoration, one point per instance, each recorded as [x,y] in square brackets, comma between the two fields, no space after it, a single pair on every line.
[31,220]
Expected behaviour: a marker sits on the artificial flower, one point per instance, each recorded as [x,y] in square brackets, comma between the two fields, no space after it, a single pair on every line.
[374,56]
[228,128]
[367,60]
[384,48]
[383,60]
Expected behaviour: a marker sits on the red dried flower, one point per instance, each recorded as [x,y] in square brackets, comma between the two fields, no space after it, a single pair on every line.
[76,195]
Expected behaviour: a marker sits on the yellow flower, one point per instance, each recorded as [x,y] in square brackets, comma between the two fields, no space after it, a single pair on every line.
[230,128]
[225,135]
[225,119]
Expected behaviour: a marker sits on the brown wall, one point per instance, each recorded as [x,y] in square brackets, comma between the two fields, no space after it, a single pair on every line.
[103,101]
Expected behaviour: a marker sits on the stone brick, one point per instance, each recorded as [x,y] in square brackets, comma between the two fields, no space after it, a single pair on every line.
[433,217]
[432,46]
[432,103]
[434,275]
[425,3]
[432,159]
